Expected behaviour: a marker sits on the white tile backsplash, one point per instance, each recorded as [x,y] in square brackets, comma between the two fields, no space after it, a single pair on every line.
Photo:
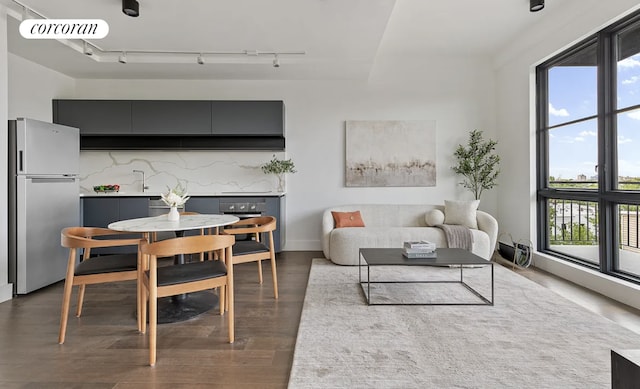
[200,172]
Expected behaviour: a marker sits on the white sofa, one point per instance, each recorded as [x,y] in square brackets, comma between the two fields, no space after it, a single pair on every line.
[389,225]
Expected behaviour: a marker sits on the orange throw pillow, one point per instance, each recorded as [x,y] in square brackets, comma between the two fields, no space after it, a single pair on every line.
[347,219]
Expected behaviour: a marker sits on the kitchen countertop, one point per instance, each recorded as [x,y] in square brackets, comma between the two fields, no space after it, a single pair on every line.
[212,194]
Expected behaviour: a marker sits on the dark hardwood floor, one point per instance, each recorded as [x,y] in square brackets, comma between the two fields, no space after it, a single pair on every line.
[104,350]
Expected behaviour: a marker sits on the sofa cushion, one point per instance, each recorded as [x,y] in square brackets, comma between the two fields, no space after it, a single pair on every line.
[434,217]
[345,243]
[347,219]
[461,212]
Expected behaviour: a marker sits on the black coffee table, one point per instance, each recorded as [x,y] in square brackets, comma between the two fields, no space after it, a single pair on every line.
[372,258]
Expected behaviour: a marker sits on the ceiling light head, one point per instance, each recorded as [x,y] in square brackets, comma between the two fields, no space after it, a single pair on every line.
[276,61]
[123,57]
[87,49]
[200,60]
[131,8]
[536,5]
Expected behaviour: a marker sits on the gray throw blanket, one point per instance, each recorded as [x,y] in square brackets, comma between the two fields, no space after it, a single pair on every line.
[457,236]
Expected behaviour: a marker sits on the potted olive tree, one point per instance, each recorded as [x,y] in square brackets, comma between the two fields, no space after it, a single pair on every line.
[477,163]
[279,167]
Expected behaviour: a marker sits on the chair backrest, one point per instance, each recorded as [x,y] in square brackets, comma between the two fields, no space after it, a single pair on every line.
[252,225]
[187,245]
[82,237]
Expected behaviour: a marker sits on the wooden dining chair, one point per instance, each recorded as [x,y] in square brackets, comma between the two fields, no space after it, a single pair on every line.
[189,277]
[96,269]
[170,235]
[255,250]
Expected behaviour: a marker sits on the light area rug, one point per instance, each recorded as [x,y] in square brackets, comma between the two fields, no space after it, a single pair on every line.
[530,338]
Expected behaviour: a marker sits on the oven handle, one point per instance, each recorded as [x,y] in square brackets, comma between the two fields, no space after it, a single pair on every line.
[244,215]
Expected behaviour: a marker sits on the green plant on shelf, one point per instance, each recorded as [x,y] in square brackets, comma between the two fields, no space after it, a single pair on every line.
[279,167]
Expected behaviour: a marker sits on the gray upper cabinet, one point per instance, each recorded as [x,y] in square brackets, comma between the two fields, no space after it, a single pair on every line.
[174,124]
[260,118]
[171,117]
[94,117]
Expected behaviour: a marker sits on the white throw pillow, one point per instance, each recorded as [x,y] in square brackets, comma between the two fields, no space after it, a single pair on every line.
[434,217]
[461,212]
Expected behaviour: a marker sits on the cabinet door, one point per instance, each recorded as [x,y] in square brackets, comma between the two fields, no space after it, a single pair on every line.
[274,207]
[171,117]
[262,118]
[99,212]
[133,207]
[94,117]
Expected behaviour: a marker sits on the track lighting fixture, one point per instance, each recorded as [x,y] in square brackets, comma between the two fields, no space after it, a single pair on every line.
[200,60]
[123,57]
[87,49]
[276,61]
[536,5]
[131,8]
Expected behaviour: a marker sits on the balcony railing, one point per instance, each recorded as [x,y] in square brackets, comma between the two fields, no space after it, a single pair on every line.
[576,223]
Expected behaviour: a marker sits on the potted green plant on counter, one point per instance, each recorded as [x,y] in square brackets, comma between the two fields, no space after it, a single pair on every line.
[477,163]
[279,167]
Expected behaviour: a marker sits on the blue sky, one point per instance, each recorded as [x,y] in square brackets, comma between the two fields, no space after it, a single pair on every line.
[573,95]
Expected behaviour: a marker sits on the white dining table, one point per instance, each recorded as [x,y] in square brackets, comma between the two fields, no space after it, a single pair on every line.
[187,306]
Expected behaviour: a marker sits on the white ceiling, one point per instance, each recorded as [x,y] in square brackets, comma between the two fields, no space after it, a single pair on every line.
[341,38]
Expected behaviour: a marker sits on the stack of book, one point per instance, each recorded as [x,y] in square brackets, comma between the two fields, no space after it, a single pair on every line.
[419,249]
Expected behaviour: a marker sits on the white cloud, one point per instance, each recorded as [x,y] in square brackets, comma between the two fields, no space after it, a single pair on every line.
[631,80]
[588,133]
[557,112]
[622,140]
[630,62]
[578,139]
[634,115]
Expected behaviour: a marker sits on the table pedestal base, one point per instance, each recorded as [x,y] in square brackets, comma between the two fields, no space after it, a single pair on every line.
[184,307]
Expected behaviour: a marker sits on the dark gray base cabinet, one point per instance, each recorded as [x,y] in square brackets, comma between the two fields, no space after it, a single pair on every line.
[100,212]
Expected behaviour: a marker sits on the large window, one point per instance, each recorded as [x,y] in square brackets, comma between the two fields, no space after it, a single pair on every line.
[588,126]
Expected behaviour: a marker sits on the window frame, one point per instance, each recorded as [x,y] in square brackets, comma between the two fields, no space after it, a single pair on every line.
[607,195]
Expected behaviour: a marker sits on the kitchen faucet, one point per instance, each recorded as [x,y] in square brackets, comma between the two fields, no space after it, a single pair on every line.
[144,186]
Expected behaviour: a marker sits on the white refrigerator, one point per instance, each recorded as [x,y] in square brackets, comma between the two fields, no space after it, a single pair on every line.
[43,187]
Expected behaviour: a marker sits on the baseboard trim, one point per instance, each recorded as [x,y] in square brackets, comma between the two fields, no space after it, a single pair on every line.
[615,288]
[6,292]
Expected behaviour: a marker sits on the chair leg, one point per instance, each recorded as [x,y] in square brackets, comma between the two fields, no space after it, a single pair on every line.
[66,296]
[230,313]
[274,275]
[153,324]
[222,300]
[260,272]
[64,314]
[80,300]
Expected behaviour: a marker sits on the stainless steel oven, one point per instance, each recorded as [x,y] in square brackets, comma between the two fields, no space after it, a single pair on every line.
[243,210]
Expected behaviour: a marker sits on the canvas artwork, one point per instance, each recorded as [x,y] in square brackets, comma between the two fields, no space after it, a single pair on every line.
[390,153]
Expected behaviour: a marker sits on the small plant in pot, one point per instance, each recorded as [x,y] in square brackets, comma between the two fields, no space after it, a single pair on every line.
[279,167]
[477,163]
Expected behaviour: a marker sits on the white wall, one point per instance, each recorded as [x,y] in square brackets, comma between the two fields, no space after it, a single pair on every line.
[31,88]
[451,91]
[515,111]
[5,287]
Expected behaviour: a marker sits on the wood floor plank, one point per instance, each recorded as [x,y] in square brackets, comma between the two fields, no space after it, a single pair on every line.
[104,349]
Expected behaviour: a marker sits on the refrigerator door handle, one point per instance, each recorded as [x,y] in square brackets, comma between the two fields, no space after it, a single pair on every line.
[45,180]
[20,159]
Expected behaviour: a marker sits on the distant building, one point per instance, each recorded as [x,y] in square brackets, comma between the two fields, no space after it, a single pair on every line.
[582,177]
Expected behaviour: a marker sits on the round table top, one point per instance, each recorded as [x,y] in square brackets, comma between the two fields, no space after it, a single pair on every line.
[160,223]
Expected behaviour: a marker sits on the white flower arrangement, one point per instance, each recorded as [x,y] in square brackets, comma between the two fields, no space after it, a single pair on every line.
[175,197]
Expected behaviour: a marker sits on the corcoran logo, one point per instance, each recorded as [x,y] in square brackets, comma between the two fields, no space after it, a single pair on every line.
[64,28]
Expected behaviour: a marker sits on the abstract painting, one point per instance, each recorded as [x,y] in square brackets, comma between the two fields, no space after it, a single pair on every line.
[390,153]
